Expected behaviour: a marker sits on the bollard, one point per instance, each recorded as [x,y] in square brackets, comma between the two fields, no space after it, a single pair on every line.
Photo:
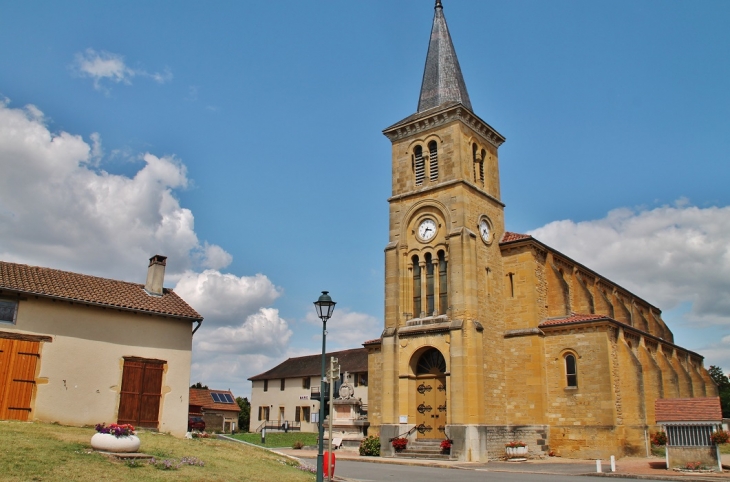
[613,464]
[598,466]
[263,436]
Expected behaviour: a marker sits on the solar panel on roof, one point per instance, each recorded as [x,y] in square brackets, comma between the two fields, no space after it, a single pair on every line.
[215,396]
[228,396]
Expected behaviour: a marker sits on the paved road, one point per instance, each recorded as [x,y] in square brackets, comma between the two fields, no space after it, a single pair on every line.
[374,472]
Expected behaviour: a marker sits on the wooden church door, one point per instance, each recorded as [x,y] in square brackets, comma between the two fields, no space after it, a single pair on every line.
[431,395]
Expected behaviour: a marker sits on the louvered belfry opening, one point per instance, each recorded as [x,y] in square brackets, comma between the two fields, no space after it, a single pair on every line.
[433,165]
[419,165]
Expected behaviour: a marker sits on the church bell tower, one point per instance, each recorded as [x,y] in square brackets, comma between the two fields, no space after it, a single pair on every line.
[442,263]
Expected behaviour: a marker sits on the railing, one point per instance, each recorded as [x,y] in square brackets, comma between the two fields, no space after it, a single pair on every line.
[315,395]
[279,426]
[405,434]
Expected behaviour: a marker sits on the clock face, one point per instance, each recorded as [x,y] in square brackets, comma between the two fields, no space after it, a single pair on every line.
[427,229]
[484,231]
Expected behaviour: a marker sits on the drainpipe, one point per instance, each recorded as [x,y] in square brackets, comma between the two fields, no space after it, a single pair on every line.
[200,322]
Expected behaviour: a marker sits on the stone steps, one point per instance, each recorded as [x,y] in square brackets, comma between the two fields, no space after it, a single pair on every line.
[423,449]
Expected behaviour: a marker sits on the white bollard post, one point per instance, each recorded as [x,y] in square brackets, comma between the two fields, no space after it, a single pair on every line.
[598,466]
[613,464]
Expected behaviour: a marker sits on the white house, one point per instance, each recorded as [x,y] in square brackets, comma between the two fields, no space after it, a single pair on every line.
[284,393]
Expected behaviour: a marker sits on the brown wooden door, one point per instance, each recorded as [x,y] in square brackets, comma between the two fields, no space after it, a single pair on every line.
[139,402]
[431,407]
[18,360]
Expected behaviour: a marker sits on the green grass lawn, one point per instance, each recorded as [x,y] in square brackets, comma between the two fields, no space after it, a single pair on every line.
[279,439]
[49,452]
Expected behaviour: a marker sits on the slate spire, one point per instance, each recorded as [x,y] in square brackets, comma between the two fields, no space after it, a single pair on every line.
[442,79]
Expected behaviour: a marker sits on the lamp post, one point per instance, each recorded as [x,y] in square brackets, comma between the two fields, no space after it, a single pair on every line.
[325,306]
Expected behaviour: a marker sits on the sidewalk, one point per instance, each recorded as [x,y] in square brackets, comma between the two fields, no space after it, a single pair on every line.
[628,467]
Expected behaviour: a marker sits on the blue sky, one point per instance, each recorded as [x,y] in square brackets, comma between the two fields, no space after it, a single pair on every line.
[243,140]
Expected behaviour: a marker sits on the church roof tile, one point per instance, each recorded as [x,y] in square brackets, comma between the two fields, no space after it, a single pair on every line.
[509,236]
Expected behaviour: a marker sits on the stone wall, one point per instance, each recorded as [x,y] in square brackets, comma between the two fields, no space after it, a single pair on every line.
[681,456]
[480,443]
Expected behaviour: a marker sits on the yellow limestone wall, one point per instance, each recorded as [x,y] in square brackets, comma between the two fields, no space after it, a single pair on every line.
[505,374]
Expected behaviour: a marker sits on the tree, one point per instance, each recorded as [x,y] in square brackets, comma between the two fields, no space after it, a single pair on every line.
[200,385]
[245,414]
[723,387]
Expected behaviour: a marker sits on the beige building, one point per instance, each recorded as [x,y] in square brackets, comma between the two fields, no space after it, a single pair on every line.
[81,350]
[492,336]
[285,393]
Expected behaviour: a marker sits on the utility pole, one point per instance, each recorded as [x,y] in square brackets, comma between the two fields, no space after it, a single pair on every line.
[334,374]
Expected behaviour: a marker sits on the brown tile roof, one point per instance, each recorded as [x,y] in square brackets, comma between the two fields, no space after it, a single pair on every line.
[700,409]
[353,361]
[201,397]
[573,318]
[54,283]
[509,236]
[376,341]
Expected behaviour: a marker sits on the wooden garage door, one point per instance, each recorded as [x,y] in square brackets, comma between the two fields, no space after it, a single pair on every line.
[18,359]
[141,392]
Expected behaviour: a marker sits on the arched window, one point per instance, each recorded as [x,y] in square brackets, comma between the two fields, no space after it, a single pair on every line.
[419,165]
[432,362]
[429,286]
[443,297]
[416,288]
[433,156]
[571,371]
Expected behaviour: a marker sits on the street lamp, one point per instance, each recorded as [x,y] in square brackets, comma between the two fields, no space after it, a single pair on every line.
[325,306]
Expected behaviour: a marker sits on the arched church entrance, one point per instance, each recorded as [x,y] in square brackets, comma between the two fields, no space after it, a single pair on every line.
[431,394]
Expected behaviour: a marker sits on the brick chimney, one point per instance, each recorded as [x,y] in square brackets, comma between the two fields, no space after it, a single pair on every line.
[155,275]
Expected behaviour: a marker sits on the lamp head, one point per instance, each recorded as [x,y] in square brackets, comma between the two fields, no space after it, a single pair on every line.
[325,306]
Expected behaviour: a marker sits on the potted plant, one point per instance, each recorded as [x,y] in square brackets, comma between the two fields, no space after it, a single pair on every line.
[719,437]
[446,446]
[659,438]
[115,438]
[515,449]
[399,443]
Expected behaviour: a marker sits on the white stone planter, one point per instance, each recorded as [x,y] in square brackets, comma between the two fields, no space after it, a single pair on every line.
[109,443]
[516,451]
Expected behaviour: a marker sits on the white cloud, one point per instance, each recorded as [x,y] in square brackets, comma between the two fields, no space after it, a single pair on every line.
[718,354]
[224,371]
[263,332]
[57,210]
[226,299]
[347,329]
[668,255]
[106,66]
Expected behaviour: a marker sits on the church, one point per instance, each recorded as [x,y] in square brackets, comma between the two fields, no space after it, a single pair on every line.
[491,336]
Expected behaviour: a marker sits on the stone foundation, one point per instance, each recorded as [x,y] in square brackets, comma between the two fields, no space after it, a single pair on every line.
[681,456]
[481,443]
